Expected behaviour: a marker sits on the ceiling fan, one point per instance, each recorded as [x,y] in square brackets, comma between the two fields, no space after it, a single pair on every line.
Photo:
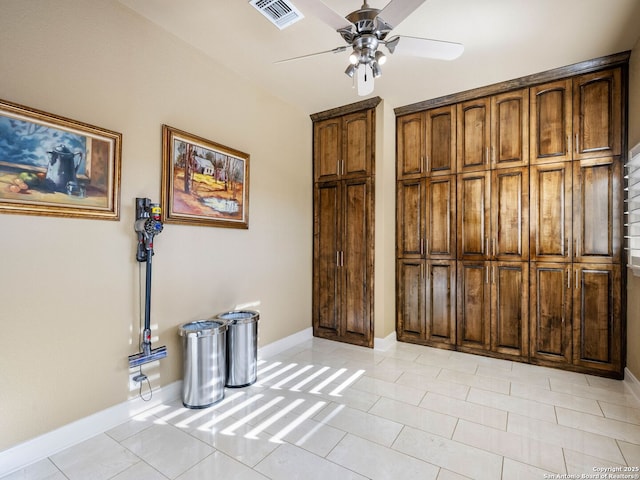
[366,29]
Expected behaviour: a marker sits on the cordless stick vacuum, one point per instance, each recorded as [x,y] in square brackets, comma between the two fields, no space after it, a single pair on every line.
[147,226]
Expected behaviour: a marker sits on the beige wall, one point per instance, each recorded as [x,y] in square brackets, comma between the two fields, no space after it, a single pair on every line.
[633,283]
[69,297]
[385,222]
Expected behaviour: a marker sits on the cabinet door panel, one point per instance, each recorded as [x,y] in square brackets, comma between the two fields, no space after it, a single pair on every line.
[596,216]
[357,156]
[473,305]
[357,261]
[510,129]
[510,214]
[597,114]
[550,300]
[411,300]
[411,218]
[473,135]
[474,210]
[327,148]
[410,138]
[550,212]
[441,140]
[550,125]
[596,317]
[510,308]
[441,312]
[326,288]
[441,217]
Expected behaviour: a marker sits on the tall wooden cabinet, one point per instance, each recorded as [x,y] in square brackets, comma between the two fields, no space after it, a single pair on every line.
[493,226]
[512,247]
[426,228]
[343,241]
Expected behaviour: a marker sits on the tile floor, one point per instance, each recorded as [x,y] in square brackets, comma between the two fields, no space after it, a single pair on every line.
[327,410]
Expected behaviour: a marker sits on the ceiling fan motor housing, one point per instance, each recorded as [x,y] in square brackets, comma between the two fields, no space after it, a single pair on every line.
[366,32]
[364,48]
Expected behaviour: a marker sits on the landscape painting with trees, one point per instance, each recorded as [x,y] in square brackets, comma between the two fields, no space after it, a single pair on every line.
[204,183]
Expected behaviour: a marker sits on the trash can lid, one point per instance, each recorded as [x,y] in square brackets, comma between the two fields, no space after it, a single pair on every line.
[239,316]
[203,328]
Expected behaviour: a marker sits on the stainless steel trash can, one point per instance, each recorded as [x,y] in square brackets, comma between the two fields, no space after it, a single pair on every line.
[242,347]
[205,362]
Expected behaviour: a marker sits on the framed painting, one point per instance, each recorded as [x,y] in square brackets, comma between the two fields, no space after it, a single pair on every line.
[203,182]
[51,165]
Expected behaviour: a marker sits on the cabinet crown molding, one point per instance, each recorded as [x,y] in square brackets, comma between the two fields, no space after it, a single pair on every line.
[600,63]
[346,109]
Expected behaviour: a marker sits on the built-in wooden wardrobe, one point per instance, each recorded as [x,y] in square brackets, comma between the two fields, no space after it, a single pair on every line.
[509,207]
[343,228]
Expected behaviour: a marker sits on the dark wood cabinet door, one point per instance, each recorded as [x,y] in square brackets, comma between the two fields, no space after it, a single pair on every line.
[550,313]
[342,147]
[410,144]
[474,135]
[440,140]
[510,129]
[510,214]
[550,126]
[327,149]
[441,217]
[550,213]
[357,144]
[411,309]
[510,308]
[473,299]
[441,302]
[597,114]
[597,341]
[356,263]
[597,210]
[326,258]
[474,208]
[411,218]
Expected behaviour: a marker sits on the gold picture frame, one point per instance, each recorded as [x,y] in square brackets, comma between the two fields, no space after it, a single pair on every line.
[54,166]
[203,183]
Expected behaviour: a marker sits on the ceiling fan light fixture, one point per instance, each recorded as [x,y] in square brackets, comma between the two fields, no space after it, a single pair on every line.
[351,70]
[375,69]
[354,58]
[381,58]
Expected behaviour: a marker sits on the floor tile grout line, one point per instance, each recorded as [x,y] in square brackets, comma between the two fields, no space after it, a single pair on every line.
[605,418]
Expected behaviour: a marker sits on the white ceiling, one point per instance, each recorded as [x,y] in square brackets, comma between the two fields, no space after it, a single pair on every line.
[503,39]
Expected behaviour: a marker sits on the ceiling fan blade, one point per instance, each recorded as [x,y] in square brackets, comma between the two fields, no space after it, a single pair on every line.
[365,80]
[320,10]
[424,47]
[397,10]
[334,50]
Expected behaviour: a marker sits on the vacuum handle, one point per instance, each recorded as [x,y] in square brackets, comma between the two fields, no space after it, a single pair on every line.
[148,224]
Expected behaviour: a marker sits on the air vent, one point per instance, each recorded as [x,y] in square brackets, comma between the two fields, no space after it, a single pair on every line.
[279,12]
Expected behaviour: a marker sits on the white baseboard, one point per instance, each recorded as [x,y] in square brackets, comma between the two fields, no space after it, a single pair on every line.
[632,382]
[50,443]
[285,343]
[385,343]
[41,447]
